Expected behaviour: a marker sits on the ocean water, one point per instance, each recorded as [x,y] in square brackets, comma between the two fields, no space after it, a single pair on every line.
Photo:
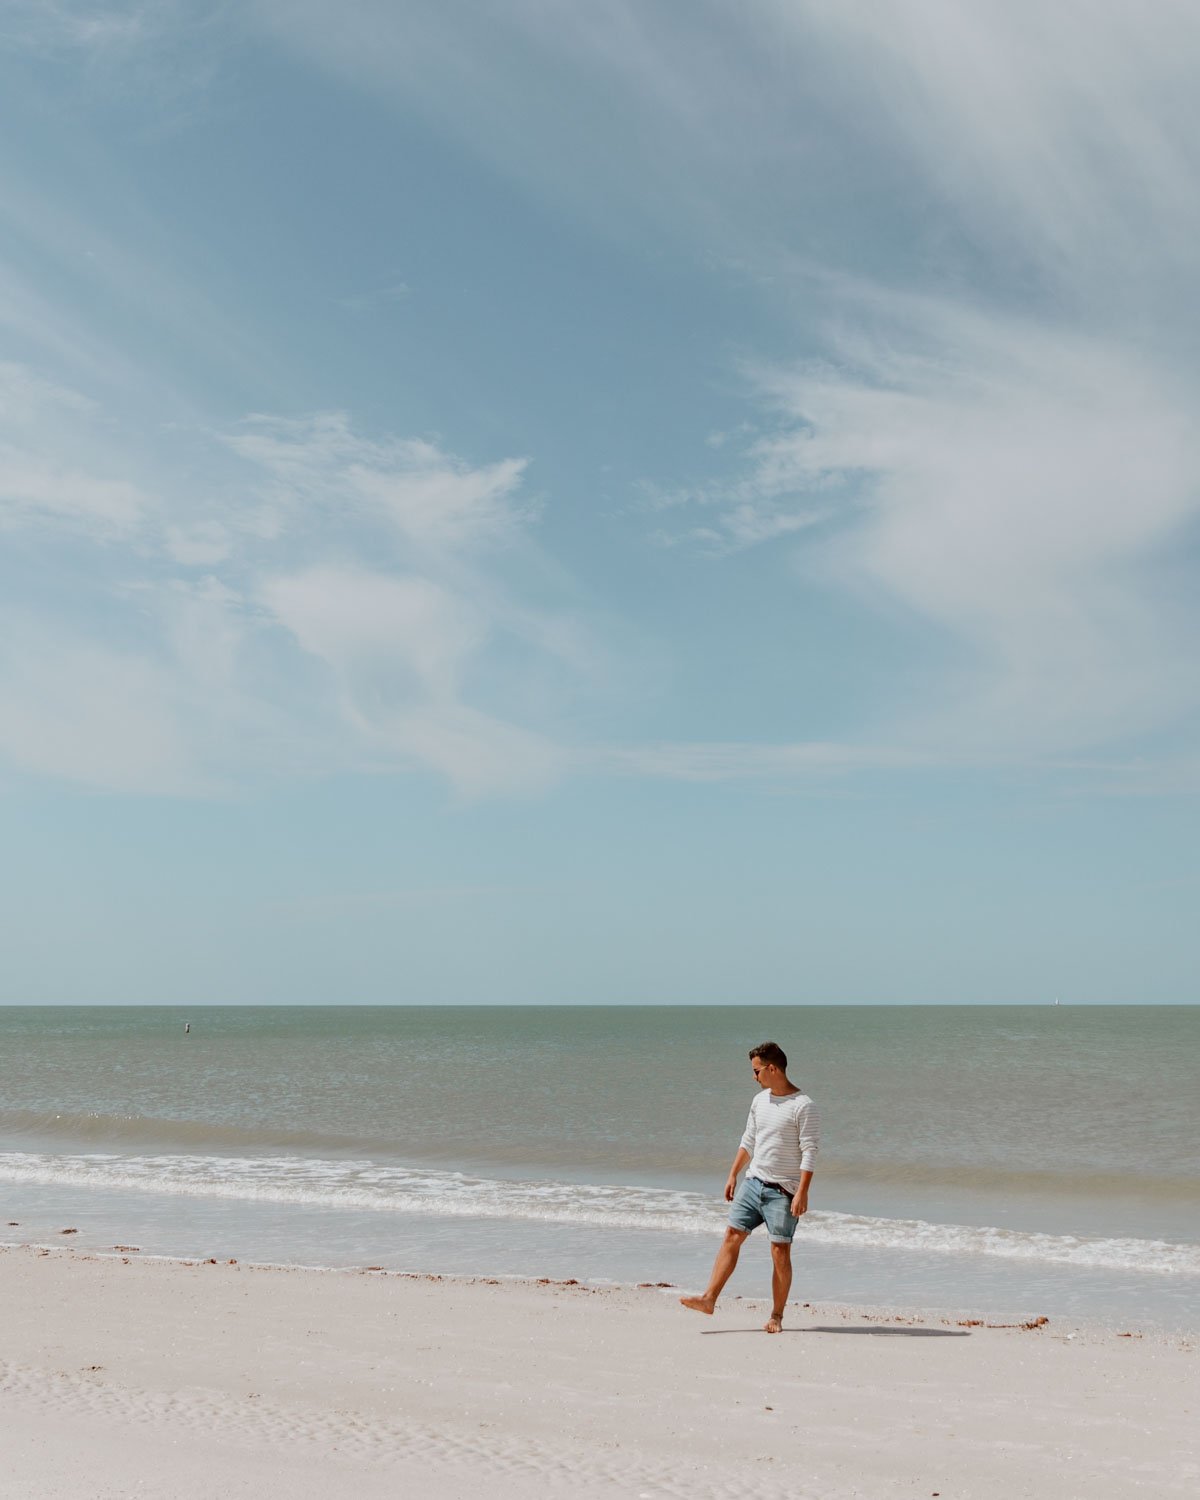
[1008,1161]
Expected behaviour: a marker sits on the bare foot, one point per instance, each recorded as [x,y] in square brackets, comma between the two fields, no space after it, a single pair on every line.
[699,1304]
[774,1323]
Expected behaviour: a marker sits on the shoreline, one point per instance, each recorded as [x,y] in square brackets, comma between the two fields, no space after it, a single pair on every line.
[877,1312]
[198,1379]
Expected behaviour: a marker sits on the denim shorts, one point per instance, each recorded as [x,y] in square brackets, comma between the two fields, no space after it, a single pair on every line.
[761,1203]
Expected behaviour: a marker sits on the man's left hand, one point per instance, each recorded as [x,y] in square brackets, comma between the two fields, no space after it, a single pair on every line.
[799,1205]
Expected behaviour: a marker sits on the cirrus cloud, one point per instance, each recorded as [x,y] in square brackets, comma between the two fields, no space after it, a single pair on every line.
[1024,489]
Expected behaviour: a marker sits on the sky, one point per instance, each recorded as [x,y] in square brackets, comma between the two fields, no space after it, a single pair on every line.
[645,502]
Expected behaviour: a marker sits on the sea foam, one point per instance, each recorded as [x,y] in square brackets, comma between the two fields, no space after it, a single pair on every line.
[374,1187]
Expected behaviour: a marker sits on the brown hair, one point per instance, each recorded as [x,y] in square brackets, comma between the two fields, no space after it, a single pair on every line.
[770,1052]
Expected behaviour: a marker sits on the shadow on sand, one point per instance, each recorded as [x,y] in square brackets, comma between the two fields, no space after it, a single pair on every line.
[893,1333]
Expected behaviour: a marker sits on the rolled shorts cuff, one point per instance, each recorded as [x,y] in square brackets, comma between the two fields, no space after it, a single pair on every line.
[756,1204]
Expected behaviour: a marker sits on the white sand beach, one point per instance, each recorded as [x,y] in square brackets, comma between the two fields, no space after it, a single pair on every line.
[123,1377]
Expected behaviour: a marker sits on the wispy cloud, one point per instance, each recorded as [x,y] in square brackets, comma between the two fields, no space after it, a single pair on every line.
[1022,488]
[403,644]
[32,487]
[398,649]
[737,514]
[431,497]
[50,467]
[1064,136]
[265,656]
[88,712]
[986,433]
[200,678]
[1012,461]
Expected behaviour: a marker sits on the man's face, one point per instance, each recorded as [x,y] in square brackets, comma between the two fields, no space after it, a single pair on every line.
[764,1072]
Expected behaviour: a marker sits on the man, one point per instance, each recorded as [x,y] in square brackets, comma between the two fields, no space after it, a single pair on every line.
[780,1145]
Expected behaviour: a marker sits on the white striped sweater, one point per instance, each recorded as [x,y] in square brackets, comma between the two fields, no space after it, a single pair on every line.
[782,1135]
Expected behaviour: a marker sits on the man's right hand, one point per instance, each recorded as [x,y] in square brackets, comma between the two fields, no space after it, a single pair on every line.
[730,1187]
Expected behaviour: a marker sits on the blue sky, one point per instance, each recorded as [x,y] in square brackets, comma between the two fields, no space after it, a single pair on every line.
[632,502]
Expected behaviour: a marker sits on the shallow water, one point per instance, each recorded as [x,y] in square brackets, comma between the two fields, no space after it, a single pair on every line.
[1015,1161]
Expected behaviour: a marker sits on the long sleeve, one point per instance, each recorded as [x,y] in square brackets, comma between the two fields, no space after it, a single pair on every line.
[808,1131]
[749,1133]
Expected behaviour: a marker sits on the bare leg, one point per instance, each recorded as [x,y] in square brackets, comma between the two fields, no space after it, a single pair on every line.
[727,1258]
[781,1285]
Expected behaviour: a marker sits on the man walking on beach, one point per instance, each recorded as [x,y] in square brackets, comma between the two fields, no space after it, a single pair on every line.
[780,1145]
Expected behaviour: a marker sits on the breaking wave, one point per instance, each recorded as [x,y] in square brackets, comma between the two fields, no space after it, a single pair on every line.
[365,1185]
